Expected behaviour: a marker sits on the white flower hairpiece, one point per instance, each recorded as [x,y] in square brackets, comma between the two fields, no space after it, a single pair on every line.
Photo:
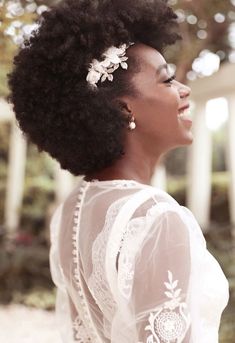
[114,57]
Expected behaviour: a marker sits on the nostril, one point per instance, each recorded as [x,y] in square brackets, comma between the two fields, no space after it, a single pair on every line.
[184,92]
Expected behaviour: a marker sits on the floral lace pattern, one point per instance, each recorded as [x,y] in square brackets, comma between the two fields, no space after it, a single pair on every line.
[125,276]
[170,322]
[134,231]
[80,334]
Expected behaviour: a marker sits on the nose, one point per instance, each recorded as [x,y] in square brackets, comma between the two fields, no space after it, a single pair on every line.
[184,91]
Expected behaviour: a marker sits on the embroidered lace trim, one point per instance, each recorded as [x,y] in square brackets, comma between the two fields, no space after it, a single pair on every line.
[117,183]
[134,231]
[170,322]
[80,334]
[97,282]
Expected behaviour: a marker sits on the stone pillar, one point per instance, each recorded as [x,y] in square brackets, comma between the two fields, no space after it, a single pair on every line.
[6,112]
[15,179]
[231,156]
[199,168]
[64,183]
[159,177]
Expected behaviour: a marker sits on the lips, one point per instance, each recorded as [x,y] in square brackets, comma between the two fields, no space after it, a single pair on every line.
[184,108]
[184,114]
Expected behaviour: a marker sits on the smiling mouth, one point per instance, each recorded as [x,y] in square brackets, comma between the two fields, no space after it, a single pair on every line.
[184,115]
[184,112]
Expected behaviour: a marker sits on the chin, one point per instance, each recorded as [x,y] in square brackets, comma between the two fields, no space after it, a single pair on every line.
[190,138]
[187,139]
[184,141]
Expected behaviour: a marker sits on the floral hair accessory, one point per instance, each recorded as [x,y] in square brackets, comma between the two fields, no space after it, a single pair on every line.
[113,58]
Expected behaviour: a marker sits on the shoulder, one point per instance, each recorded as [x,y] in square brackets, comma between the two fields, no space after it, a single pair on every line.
[152,201]
[162,213]
[145,202]
[151,208]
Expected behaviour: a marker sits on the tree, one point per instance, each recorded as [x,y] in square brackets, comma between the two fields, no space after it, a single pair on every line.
[17,20]
[203,25]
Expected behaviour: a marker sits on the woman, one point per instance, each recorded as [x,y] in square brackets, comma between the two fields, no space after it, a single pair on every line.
[93,89]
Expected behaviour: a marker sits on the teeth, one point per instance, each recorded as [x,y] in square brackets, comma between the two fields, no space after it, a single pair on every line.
[184,113]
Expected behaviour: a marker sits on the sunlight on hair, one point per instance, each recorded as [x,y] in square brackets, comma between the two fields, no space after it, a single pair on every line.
[216,113]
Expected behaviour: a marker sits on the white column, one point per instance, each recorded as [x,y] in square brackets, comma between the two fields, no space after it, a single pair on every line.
[199,169]
[159,177]
[6,112]
[231,156]
[15,178]
[64,183]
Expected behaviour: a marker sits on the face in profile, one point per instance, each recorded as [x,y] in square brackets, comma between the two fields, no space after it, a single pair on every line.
[161,106]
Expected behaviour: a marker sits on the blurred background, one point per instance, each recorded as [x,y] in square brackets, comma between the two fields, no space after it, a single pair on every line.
[201,177]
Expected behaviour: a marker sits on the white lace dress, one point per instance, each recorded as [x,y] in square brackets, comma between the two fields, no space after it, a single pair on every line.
[131,266]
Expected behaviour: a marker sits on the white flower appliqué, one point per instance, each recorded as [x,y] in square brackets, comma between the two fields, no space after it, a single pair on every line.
[113,58]
[171,321]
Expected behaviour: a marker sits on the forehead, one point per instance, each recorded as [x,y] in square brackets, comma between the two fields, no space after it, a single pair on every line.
[148,57]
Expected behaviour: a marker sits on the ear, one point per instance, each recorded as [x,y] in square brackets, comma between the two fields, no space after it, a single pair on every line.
[125,105]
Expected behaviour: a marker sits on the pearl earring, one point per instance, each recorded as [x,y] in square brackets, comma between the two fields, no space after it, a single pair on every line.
[132,124]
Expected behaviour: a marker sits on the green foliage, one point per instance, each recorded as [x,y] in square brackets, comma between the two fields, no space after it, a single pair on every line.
[219,146]
[8,47]
[38,191]
[175,161]
[38,196]
[36,297]
[176,187]
[22,269]
[39,184]
[220,243]
[4,142]
[4,146]
[184,53]
[219,199]
[4,70]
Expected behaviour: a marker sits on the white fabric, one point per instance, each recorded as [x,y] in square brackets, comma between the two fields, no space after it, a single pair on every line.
[131,266]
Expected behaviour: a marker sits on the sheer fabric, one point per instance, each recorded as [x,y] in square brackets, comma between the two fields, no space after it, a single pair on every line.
[131,266]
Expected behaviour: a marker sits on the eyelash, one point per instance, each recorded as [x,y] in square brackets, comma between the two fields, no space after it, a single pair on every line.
[172,78]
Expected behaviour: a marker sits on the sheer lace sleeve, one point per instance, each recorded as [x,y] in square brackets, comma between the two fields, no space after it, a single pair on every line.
[160,293]
[154,269]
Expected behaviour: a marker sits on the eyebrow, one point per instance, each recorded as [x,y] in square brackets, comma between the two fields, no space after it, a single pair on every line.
[161,67]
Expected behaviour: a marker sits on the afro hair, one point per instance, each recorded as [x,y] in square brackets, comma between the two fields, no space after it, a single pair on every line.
[55,107]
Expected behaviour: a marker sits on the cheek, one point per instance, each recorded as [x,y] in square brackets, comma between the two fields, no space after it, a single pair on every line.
[168,99]
[158,108]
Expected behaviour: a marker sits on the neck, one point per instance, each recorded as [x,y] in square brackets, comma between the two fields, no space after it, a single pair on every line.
[136,164]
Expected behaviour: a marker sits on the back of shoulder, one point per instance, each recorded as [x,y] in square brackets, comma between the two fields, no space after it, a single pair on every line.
[153,201]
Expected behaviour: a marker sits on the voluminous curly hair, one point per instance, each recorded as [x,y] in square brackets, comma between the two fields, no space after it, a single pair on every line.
[56,108]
